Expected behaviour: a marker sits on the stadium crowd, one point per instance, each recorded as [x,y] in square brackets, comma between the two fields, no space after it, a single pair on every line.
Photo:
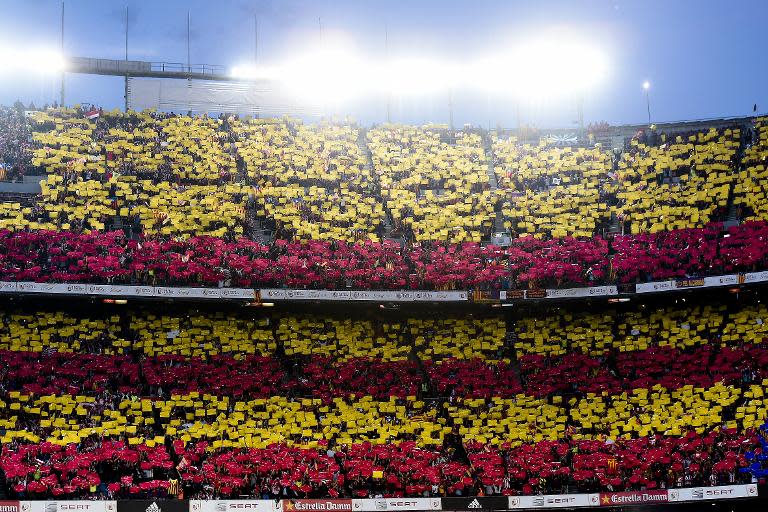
[143,403]
[116,405]
[15,144]
[191,194]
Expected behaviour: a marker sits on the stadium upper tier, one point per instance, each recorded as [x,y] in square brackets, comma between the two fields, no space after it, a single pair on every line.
[184,176]
[98,402]
[390,207]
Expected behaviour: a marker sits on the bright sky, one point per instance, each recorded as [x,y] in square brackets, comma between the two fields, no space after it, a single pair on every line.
[703,58]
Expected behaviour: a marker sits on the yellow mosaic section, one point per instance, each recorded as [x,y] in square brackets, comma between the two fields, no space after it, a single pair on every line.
[681,328]
[258,423]
[432,339]
[702,164]
[202,336]
[752,186]
[437,188]
[57,331]
[556,189]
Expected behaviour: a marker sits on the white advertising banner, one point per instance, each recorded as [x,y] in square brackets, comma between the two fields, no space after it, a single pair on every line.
[237,293]
[726,280]
[656,286]
[32,287]
[693,282]
[396,504]
[430,296]
[268,294]
[108,290]
[187,293]
[69,506]
[720,492]
[234,506]
[68,288]
[756,277]
[593,291]
[283,294]
[136,291]
[552,501]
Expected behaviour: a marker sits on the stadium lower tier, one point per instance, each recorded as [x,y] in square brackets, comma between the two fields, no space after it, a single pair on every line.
[108,401]
[68,445]
[65,256]
[115,469]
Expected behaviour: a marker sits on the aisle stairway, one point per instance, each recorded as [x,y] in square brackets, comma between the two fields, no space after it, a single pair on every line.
[489,158]
[362,143]
[261,233]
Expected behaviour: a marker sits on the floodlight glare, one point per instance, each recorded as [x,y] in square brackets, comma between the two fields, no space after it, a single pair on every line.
[538,69]
[33,60]
[330,73]
[415,76]
[250,72]
[646,85]
[327,74]
[542,69]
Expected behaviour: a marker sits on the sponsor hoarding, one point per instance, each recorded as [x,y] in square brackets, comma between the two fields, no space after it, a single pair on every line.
[612,499]
[280,294]
[702,282]
[726,280]
[720,492]
[656,286]
[153,506]
[689,283]
[593,291]
[511,294]
[234,506]
[268,294]
[536,294]
[552,501]
[396,504]
[69,506]
[756,277]
[316,505]
[476,503]
[109,290]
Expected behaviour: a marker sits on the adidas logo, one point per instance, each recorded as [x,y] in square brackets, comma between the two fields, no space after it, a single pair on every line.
[474,504]
[153,507]
[698,493]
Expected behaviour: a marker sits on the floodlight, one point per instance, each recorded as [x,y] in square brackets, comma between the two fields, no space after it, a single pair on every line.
[646,85]
[543,69]
[326,74]
[415,76]
[250,72]
[34,60]
[539,68]
[330,73]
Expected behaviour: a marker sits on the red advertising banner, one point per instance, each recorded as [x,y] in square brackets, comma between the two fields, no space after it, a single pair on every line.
[608,499]
[536,294]
[9,506]
[317,505]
